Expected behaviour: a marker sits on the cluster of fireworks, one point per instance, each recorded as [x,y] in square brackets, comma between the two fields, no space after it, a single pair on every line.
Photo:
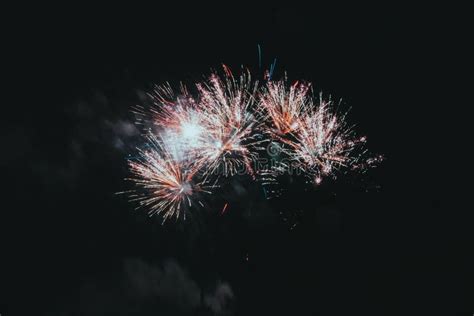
[223,130]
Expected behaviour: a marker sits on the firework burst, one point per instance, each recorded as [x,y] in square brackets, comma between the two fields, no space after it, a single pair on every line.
[284,106]
[164,185]
[230,118]
[219,131]
[324,143]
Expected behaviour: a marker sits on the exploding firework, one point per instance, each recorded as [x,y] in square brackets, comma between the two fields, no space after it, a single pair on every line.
[219,131]
[164,185]
[312,136]
[324,143]
[231,120]
[178,121]
[284,106]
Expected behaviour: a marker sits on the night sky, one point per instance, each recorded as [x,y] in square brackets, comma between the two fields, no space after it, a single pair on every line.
[390,242]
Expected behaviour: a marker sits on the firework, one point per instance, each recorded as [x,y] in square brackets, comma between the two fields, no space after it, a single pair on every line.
[164,185]
[230,118]
[219,131]
[284,106]
[178,121]
[324,143]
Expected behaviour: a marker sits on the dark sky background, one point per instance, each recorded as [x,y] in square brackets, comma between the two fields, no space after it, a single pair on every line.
[393,242]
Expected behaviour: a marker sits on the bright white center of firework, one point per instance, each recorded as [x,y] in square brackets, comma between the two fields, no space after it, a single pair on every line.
[218,144]
[186,188]
[191,131]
